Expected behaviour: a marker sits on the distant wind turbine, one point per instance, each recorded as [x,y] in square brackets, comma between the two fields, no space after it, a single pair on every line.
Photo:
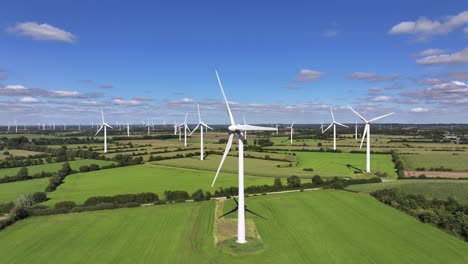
[105,126]
[292,132]
[184,124]
[200,124]
[333,124]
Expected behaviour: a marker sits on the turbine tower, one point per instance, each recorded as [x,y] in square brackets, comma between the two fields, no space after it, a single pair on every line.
[105,126]
[237,129]
[148,125]
[184,124]
[292,132]
[128,129]
[367,131]
[355,131]
[334,123]
[200,124]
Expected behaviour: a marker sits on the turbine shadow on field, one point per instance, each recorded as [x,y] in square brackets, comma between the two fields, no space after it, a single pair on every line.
[349,166]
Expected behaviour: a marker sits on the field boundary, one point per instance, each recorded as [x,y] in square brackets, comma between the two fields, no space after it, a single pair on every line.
[437,174]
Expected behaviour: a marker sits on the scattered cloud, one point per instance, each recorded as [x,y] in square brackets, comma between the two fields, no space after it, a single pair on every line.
[373,77]
[375,89]
[447,93]
[142,98]
[20,90]
[307,75]
[466,31]
[430,52]
[291,87]
[395,86]
[419,110]
[460,57]
[382,98]
[330,33]
[458,75]
[86,81]
[29,100]
[41,32]
[127,102]
[429,81]
[106,86]
[424,28]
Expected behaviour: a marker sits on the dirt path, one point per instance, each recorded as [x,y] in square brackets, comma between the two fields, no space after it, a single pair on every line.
[435,174]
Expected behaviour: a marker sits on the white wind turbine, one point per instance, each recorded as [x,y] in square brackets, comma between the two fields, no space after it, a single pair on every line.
[200,124]
[355,131]
[148,125]
[128,129]
[237,129]
[367,131]
[105,126]
[175,128]
[321,127]
[334,123]
[184,124]
[292,131]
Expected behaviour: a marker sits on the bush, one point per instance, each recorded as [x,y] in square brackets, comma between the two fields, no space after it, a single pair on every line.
[294,181]
[19,213]
[84,168]
[317,180]
[65,204]
[39,197]
[25,200]
[198,195]
[176,195]
[6,207]
[93,167]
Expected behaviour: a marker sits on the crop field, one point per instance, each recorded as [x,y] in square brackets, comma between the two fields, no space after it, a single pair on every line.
[333,164]
[18,153]
[441,189]
[12,190]
[308,227]
[142,178]
[53,167]
[456,161]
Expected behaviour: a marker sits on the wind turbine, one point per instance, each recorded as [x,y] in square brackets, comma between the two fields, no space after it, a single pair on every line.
[367,131]
[334,123]
[8,129]
[128,129]
[276,129]
[184,124]
[245,123]
[16,126]
[200,124]
[148,125]
[175,128]
[237,129]
[321,127]
[105,126]
[292,131]
[355,131]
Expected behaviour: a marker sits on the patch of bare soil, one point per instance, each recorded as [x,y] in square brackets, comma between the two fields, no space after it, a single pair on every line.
[437,174]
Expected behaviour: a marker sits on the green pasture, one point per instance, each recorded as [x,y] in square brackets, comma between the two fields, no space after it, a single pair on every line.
[53,167]
[441,189]
[309,227]
[457,161]
[143,178]
[12,190]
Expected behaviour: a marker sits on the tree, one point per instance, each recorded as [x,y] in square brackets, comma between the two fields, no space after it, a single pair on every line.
[39,197]
[317,180]
[23,173]
[19,213]
[25,200]
[278,185]
[294,181]
[66,169]
[198,195]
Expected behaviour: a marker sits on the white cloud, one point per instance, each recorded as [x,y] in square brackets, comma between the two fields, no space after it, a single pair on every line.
[28,100]
[42,32]
[382,98]
[373,77]
[307,75]
[14,87]
[72,94]
[187,100]
[460,57]
[106,86]
[459,75]
[430,52]
[419,110]
[424,28]
[126,102]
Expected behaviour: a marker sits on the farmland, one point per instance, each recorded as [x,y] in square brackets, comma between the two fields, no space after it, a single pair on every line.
[456,161]
[142,178]
[441,189]
[340,227]
[53,167]
[12,190]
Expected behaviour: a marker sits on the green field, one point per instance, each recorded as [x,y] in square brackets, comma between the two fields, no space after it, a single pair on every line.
[441,189]
[456,161]
[12,190]
[309,227]
[53,167]
[18,153]
[332,164]
[143,178]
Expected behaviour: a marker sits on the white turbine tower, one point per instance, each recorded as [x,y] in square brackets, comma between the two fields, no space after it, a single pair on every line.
[355,131]
[200,124]
[237,129]
[334,123]
[292,132]
[321,127]
[128,129]
[148,125]
[367,131]
[105,126]
[184,124]
[175,128]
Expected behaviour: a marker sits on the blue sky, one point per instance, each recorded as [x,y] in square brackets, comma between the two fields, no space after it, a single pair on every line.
[279,62]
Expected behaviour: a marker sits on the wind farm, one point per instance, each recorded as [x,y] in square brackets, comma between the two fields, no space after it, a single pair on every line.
[199,132]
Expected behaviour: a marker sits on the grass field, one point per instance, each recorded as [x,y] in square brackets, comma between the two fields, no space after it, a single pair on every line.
[12,190]
[309,227]
[456,161]
[332,164]
[143,178]
[53,167]
[18,153]
[441,189]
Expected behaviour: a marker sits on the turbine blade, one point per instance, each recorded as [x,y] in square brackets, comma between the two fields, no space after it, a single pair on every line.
[380,117]
[102,114]
[333,116]
[360,116]
[230,212]
[186,114]
[327,128]
[252,212]
[341,124]
[199,116]
[99,130]
[364,134]
[194,129]
[256,128]
[207,126]
[231,118]
[226,151]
